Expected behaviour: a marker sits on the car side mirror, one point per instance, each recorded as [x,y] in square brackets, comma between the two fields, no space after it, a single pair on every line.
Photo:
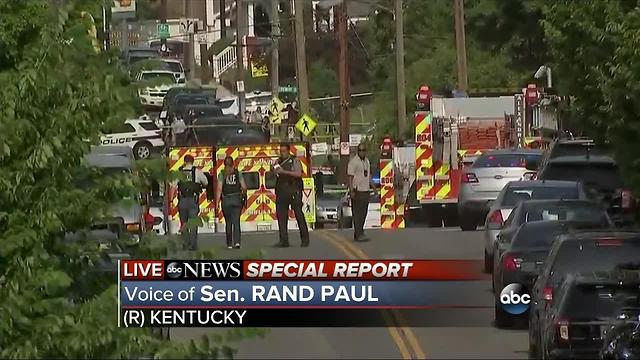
[182,81]
[528,176]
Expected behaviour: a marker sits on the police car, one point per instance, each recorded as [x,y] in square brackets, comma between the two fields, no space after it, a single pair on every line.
[142,135]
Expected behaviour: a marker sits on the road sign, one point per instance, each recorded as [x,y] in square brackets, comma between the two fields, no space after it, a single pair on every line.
[320,148]
[306,125]
[355,139]
[163,31]
[187,26]
[288,89]
[308,200]
[344,148]
[291,133]
[202,38]
[240,86]
[275,110]
[259,69]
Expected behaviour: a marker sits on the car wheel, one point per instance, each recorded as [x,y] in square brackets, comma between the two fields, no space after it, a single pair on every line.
[488,263]
[142,150]
[434,217]
[502,319]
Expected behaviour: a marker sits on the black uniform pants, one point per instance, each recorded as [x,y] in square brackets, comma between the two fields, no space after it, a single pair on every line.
[360,207]
[231,209]
[293,199]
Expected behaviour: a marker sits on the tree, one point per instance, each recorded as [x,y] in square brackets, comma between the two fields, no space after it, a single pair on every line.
[595,60]
[57,93]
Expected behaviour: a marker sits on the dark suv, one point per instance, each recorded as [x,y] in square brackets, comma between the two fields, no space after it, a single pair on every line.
[583,312]
[601,178]
[572,253]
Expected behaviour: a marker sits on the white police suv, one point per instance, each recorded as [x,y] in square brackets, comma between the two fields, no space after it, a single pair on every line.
[142,135]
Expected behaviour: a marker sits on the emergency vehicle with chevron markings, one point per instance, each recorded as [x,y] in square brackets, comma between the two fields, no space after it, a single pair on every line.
[254,161]
[450,136]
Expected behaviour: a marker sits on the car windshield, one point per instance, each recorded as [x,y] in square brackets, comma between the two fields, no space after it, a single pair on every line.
[163,77]
[206,111]
[578,256]
[591,301]
[603,176]
[191,100]
[572,212]
[505,160]
[174,66]
[515,195]
[578,149]
[536,237]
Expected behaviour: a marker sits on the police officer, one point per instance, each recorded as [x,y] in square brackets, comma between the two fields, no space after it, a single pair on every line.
[231,187]
[289,193]
[359,171]
[189,190]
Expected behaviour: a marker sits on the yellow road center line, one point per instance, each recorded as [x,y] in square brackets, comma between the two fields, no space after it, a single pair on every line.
[399,319]
[395,332]
[388,318]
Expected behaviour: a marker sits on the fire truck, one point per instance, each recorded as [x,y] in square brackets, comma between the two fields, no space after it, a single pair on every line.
[255,162]
[450,135]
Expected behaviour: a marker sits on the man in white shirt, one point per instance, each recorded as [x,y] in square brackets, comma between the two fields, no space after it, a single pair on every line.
[359,171]
[189,190]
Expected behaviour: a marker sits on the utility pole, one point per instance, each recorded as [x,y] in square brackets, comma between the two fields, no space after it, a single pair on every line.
[402,105]
[191,61]
[204,51]
[223,19]
[163,20]
[275,56]
[301,58]
[345,91]
[240,29]
[461,51]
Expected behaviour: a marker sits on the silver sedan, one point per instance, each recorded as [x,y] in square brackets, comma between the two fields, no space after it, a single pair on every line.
[483,181]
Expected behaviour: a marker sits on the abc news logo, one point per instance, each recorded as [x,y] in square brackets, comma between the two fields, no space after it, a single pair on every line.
[515,299]
[194,270]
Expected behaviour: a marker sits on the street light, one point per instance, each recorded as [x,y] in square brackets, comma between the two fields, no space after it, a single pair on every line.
[542,70]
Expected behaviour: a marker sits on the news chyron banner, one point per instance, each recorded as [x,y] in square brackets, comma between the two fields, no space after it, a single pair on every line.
[284,293]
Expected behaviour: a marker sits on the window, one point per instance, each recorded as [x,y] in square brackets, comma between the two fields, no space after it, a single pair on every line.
[225,104]
[505,160]
[599,175]
[124,128]
[164,77]
[252,180]
[514,196]
[595,301]
[149,126]
[270,180]
[175,66]
[574,257]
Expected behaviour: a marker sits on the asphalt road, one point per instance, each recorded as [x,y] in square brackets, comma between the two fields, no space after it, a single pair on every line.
[446,333]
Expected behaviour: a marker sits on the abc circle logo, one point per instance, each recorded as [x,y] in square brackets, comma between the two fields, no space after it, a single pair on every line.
[174,270]
[515,299]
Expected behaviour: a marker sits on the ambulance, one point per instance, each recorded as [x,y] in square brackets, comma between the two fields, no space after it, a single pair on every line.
[254,162]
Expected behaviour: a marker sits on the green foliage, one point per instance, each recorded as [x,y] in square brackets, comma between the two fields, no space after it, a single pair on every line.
[56,95]
[594,47]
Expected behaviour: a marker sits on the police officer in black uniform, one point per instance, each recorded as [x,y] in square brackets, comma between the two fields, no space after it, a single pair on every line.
[231,189]
[289,193]
[189,190]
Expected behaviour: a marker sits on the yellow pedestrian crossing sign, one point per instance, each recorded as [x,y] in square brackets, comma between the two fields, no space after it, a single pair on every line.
[275,110]
[306,125]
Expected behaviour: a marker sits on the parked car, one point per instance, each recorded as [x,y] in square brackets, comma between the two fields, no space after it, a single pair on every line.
[175,66]
[573,147]
[175,91]
[142,136]
[539,210]
[515,192]
[588,251]
[520,260]
[345,217]
[483,181]
[327,208]
[583,311]
[177,106]
[160,81]
[601,178]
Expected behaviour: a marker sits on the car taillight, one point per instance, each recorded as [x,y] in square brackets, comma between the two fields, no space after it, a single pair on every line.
[511,263]
[469,178]
[608,242]
[495,219]
[563,329]
[626,199]
[547,293]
